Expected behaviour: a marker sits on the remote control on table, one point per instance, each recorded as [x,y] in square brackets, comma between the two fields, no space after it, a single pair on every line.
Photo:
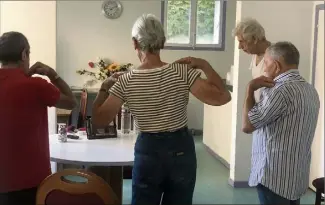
[74,137]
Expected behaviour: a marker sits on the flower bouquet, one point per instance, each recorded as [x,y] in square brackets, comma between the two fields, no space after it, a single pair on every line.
[101,70]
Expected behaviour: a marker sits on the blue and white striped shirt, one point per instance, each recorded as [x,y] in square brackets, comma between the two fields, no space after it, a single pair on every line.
[285,120]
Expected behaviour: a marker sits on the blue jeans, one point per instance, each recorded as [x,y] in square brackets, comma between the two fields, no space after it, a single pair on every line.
[164,168]
[267,197]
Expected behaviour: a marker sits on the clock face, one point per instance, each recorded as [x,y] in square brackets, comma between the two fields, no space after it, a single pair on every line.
[112,9]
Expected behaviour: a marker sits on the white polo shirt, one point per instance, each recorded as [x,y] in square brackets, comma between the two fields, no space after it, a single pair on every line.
[257,71]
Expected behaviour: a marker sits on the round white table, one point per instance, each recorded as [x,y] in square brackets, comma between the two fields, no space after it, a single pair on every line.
[99,152]
[104,157]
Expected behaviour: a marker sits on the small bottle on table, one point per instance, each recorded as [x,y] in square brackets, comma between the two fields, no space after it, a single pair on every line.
[62,131]
[125,120]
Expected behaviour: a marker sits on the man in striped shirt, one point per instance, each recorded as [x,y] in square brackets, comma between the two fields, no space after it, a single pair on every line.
[283,125]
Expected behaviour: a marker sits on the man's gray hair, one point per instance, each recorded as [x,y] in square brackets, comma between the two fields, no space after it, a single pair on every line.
[149,33]
[286,50]
[12,45]
[250,29]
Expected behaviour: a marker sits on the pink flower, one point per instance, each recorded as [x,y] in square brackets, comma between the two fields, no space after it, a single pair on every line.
[91,64]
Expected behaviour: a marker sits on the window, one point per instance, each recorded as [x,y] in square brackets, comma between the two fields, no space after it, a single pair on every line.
[194,24]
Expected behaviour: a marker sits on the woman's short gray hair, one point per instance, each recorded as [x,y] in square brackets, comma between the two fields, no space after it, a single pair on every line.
[149,33]
[286,50]
[250,29]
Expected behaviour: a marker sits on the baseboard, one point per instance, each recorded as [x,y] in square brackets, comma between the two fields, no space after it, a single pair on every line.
[218,157]
[235,184]
[238,184]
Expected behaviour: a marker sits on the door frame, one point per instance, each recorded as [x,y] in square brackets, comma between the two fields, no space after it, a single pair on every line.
[318,8]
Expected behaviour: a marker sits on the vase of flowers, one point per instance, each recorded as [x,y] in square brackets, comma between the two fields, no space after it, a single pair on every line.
[101,70]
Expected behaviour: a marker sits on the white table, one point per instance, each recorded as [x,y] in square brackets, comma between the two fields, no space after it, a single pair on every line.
[104,157]
[100,152]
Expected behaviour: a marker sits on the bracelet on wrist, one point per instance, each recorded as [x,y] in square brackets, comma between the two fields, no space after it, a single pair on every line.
[103,90]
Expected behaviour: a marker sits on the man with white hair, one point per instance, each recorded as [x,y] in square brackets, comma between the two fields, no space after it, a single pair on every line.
[283,125]
[251,37]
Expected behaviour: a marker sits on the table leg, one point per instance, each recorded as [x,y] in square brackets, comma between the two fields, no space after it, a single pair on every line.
[113,176]
[59,167]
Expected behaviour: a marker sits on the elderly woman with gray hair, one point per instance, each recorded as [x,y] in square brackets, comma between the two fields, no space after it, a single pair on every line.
[157,94]
[251,38]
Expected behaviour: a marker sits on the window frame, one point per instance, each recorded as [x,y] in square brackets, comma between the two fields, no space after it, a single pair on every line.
[192,45]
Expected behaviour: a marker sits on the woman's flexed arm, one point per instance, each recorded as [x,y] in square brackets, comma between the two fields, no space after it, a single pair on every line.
[212,90]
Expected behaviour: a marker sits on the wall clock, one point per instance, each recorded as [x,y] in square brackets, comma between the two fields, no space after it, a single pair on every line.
[112,9]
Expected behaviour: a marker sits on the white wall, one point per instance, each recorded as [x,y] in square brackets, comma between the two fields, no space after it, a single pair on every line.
[36,20]
[85,34]
[216,129]
[282,20]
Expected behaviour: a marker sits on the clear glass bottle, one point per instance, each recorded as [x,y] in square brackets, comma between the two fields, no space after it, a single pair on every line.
[125,120]
[111,128]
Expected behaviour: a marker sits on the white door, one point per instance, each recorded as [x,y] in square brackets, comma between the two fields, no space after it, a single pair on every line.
[317,163]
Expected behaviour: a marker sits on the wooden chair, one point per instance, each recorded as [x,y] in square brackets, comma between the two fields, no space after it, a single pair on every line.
[319,185]
[78,115]
[58,190]
[83,104]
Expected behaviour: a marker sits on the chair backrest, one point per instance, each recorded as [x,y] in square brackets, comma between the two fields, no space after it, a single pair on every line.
[58,189]
[83,104]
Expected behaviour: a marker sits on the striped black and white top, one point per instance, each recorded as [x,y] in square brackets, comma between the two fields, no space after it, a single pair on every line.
[285,120]
[157,98]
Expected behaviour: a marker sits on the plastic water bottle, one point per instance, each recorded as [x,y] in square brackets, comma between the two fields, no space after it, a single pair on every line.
[62,132]
[125,120]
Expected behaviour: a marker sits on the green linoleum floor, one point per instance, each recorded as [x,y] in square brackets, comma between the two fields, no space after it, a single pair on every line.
[212,184]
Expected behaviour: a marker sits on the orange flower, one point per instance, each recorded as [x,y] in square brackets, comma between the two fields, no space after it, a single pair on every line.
[113,67]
